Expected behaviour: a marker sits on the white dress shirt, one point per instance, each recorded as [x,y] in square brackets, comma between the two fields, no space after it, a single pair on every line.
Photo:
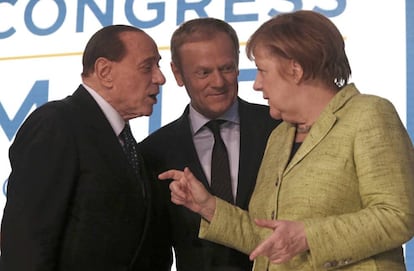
[204,140]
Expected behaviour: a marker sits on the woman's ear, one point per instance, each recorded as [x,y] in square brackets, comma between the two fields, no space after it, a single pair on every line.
[297,71]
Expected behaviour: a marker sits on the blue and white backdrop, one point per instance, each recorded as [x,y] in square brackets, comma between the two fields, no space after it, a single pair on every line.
[41,43]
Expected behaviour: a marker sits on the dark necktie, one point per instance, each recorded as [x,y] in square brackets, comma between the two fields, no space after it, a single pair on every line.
[129,148]
[220,168]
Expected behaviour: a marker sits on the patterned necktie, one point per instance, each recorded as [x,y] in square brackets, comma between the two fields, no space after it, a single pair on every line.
[220,168]
[129,148]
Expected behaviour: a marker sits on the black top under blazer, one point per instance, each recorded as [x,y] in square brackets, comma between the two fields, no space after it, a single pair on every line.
[172,147]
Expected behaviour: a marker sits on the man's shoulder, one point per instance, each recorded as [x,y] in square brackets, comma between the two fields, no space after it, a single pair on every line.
[166,134]
[58,105]
[259,113]
[254,108]
[171,127]
[47,113]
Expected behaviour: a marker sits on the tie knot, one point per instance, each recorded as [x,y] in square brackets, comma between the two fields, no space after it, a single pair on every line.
[126,134]
[214,125]
[126,130]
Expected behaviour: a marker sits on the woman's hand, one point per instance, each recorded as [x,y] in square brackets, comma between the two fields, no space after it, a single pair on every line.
[287,240]
[186,190]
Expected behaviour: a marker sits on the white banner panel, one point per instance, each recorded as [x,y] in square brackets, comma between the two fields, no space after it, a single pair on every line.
[41,43]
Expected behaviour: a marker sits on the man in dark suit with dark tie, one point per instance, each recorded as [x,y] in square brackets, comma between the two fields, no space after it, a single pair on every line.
[75,200]
[205,58]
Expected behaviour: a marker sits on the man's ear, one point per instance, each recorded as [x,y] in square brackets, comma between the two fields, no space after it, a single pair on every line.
[103,70]
[177,74]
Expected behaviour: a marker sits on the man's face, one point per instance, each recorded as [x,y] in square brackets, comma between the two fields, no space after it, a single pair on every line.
[137,77]
[209,71]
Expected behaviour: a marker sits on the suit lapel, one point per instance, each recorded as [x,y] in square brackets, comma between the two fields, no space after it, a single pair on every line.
[323,125]
[95,129]
[249,138]
[282,147]
[185,139]
[96,126]
[319,130]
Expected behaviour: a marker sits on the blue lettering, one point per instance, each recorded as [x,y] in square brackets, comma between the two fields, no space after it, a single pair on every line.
[11,30]
[247,75]
[159,7]
[38,95]
[409,25]
[5,187]
[46,31]
[297,5]
[106,15]
[229,16]
[198,7]
[155,118]
[340,8]
[105,19]
[409,255]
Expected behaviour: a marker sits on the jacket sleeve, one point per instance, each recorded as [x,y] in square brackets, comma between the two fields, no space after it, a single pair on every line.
[43,162]
[384,159]
[231,226]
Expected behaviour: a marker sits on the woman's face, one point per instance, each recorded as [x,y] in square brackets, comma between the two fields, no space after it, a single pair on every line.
[276,79]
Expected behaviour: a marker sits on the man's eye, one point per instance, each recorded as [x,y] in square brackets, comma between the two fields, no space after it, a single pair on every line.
[146,68]
[228,68]
[202,73]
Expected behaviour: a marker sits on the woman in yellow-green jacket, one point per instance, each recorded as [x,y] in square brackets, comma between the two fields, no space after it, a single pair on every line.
[335,190]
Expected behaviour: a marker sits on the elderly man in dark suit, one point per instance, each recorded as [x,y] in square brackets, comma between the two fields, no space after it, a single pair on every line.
[205,56]
[75,200]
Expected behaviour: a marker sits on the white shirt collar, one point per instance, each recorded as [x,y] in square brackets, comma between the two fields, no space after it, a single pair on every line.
[197,120]
[115,120]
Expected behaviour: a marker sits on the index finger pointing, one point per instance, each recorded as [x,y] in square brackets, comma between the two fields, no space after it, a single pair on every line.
[171,174]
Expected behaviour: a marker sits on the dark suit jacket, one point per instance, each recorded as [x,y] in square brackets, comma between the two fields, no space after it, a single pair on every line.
[73,201]
[171,147]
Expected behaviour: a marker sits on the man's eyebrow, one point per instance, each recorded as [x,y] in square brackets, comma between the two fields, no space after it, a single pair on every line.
[150,59]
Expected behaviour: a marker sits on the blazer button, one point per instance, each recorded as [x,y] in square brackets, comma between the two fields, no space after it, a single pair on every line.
[273,215]
[327,265]
[277,182]
[330,264]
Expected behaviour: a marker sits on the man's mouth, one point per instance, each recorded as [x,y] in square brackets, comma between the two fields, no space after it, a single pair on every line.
[154,96]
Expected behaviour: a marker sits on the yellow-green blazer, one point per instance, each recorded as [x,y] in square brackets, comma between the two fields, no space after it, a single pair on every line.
[351,182]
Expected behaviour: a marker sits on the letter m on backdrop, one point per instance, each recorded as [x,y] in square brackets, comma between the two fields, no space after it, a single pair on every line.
[37,96]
